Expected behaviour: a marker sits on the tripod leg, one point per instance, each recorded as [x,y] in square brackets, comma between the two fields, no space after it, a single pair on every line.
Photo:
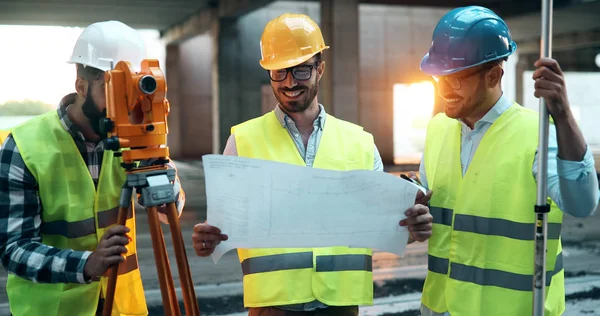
[187,286]
[124,205]
[170,304]
[171,288]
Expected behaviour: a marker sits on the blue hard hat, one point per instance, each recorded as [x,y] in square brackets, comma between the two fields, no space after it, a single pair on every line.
[466,37]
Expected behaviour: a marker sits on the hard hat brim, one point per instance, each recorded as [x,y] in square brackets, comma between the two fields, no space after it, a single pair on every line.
[74,62]
[289,63]
[430,67]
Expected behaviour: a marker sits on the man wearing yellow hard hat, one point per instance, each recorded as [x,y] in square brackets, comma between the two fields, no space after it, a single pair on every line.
[307,281]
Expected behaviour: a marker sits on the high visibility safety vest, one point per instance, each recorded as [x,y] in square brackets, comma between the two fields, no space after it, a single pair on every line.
[336,276]
[3,136]
[75,216]
[481,252]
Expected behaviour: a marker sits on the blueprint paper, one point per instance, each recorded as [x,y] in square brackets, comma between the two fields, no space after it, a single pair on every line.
[266,204]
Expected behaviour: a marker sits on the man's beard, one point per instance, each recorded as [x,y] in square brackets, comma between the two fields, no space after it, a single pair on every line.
[90,110]
[297,106]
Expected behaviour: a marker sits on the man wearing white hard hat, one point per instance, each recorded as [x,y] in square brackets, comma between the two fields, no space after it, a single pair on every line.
[60,195]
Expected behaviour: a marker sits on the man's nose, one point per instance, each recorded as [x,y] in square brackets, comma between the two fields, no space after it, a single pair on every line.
[443,88]
[290,81]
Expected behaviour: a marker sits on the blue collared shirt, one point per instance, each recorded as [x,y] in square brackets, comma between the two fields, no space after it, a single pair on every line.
[573,185]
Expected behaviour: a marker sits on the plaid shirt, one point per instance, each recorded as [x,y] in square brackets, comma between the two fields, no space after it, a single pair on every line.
[21,249]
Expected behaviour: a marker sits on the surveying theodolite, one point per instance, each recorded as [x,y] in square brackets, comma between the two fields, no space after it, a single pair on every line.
[130,92]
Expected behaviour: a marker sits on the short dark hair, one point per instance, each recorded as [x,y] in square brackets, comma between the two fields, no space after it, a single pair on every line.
[493,63]
[89,73]
[318,57]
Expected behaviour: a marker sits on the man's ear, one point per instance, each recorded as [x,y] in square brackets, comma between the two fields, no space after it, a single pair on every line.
[495,76]
[320,70]
[81,86]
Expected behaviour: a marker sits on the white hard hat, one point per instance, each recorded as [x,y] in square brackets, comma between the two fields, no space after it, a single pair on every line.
[103,44]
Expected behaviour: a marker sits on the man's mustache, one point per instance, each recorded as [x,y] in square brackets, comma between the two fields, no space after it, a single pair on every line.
[292,89]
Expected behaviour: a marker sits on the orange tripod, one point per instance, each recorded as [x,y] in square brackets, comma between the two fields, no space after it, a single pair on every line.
[129,93]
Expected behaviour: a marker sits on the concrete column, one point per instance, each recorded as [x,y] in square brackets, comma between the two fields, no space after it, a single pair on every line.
[190,91]
[196,67]
[520,70]
[172,72]
[340,83]
[228,79]
[216,135]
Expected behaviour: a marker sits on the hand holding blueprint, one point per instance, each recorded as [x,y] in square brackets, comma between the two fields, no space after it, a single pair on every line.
[265,204]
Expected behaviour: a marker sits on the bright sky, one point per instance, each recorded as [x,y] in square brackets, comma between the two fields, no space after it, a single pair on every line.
[34,61]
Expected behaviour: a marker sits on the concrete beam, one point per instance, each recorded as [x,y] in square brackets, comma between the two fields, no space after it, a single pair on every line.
[202,21]
[231,9]
[196,24]
[570,41]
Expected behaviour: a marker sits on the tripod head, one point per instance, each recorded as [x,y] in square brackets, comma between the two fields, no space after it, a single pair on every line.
[129,93]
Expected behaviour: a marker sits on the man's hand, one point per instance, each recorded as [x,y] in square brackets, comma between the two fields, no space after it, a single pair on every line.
[550,85]
[206,238]
[422,199]
[419,222]
[108,253]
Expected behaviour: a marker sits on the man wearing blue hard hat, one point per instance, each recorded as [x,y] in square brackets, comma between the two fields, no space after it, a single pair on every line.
[480,161]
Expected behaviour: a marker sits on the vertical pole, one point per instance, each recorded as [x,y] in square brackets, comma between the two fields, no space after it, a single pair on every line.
[542,207]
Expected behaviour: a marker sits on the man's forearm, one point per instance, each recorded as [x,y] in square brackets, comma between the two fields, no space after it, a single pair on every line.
[571,184]
[44,264]
[571,144]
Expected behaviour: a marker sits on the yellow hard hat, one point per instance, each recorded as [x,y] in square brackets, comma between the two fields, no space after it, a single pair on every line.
[290,40]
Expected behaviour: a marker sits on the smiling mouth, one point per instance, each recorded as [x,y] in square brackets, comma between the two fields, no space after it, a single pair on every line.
[293,94]
[452,101]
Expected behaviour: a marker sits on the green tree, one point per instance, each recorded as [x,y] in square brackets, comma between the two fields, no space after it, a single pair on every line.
[24,107]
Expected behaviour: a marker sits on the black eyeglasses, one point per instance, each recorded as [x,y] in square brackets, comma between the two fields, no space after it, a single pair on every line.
[300,72]
[455,83]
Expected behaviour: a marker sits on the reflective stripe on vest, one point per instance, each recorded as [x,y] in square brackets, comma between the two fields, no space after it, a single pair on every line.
[75,216]
[84,227]
[481,250]
[334,276]
[513,281]
[304,260]
[490,226]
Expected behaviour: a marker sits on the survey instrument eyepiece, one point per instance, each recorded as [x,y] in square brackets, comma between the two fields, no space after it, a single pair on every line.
[147,84]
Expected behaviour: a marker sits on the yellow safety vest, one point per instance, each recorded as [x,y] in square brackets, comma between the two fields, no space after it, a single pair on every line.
[75,216]
[336,276]
[3,136]
[481,252]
